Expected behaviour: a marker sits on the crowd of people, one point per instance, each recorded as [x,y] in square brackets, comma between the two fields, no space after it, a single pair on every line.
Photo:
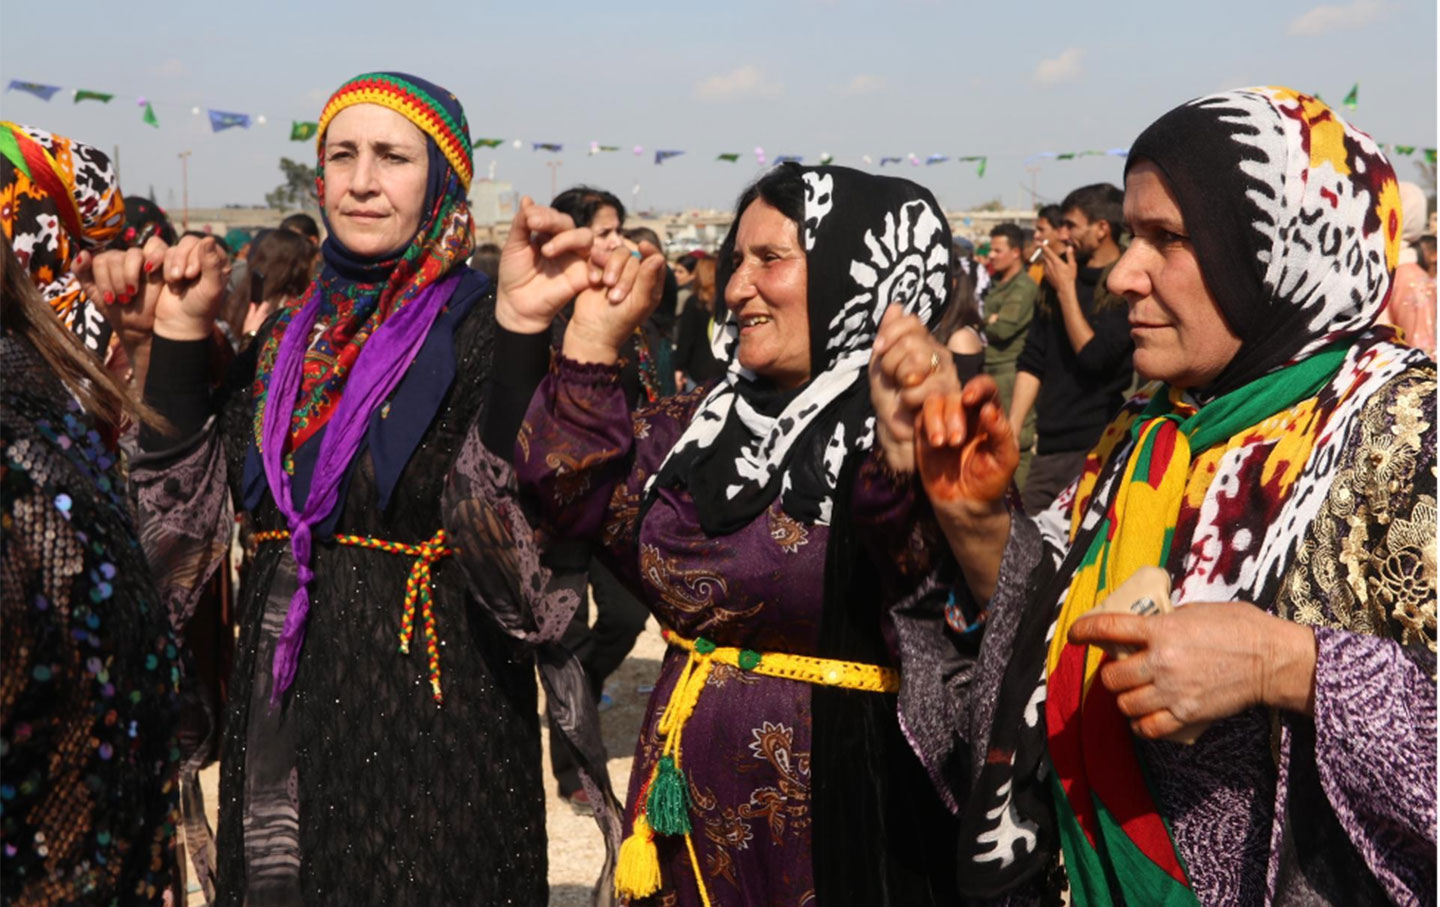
[1094,565]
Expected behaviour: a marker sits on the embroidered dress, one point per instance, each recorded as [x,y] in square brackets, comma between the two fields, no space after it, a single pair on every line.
[1320,510]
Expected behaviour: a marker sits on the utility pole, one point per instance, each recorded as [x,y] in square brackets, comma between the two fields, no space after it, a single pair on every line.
[554,170]
[185,189]
[1034,171]
[116,161]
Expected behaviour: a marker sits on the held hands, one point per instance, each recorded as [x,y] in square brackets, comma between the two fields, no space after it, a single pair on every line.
[907,366]
[173,291]
[547,261]
[1201,663]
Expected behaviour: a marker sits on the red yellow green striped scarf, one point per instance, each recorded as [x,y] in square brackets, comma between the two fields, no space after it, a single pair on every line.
[1118,848]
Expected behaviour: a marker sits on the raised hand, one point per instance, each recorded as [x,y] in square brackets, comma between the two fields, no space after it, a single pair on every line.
[624,289]
[125,286]
[965,447]
[907,366]
[196,275]
[543,266]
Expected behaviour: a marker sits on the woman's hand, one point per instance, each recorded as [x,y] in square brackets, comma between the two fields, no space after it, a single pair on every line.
[1200,663]
[965,448]
[907,365]
[171,291]
[543,266]
[624,289]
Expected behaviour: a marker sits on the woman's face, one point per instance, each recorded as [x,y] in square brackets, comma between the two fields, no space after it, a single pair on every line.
[606,227]
[1180,336]
[768,294]
[375,171]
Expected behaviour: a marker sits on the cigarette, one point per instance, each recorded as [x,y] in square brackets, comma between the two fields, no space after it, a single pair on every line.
[1039,250]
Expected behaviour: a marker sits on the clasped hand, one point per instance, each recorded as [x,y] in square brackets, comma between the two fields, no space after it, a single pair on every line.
[547,261]
[173,291]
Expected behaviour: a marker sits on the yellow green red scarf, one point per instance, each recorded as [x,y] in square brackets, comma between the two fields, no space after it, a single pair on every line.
[1117,845]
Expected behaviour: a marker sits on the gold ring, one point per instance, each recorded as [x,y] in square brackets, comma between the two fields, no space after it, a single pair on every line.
[934,362]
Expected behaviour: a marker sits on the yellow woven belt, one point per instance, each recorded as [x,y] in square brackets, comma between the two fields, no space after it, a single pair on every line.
[664,802]
[417,588]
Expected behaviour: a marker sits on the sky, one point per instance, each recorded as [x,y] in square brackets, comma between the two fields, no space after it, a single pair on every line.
[802,77]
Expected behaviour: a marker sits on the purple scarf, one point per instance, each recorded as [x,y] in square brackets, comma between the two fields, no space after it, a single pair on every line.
[379,368]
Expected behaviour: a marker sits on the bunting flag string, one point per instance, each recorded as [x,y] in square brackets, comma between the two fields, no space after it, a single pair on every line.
[305,130]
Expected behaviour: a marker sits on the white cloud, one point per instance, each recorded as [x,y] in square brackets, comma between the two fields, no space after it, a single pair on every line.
[1055,71]
[745,82]
[1328,18]
[862,84]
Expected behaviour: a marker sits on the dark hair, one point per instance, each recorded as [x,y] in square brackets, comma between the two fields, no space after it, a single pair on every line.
[278,267]
[583,202]
[486,259]
[1425,246]
[687,261]
[303,224]
[24,313]
[638,235]
[1052,215]
[1011,232]
[705,283]
[961,309]
[782,188]
[1099,201]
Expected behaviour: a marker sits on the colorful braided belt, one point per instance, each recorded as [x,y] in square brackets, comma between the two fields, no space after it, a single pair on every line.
[664,804]
[417,588]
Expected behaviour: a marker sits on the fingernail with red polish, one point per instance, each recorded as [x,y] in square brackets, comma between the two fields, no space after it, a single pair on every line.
[149,266]
[124,298]
[109,297]
[130,290]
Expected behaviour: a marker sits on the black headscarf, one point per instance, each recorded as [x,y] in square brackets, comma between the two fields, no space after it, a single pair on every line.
[869,241]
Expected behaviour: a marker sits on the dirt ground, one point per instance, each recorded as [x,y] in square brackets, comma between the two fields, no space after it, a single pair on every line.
[576,848]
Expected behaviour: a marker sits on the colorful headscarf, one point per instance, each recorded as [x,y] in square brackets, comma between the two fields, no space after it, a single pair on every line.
[57,197]
[368,318]
[869,241]
[1294,219]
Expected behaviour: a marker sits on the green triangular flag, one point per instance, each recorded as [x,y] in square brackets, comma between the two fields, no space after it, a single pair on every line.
[1406,150]
[607,147]
[1430,155]
[489,143]
[1067,156]
[149,116]
[732,158]
[301,130]
[83,95]
[1352,100]
[826,159]
[980,171]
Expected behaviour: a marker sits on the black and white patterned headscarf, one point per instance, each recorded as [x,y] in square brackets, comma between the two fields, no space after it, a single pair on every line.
[869,241]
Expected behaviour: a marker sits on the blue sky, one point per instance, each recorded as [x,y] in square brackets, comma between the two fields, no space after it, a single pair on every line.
[792,76]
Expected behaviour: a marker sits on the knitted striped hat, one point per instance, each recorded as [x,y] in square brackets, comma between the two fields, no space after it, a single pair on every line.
[434,110]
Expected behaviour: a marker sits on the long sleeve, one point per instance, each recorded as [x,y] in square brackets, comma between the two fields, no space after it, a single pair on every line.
[1013,317]
[1033,356]
[1111,344]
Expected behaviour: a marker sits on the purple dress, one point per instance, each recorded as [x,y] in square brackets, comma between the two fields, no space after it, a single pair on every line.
[747,749]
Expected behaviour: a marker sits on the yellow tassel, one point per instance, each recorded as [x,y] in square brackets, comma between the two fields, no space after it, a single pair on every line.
[637,871]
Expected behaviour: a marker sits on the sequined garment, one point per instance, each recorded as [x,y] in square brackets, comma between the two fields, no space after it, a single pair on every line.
[360,789]
[89,686]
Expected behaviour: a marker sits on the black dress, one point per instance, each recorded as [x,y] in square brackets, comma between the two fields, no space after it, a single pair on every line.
[360,788]
[89,692]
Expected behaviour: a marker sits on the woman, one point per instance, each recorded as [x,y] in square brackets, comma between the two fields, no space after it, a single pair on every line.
[1282,475]
[354,773]
[279,275]
[695,362]
[762,522]
[89,696]
[959,328]
[1412,302]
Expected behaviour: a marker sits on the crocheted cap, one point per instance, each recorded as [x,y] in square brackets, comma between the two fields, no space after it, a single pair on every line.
[434,110]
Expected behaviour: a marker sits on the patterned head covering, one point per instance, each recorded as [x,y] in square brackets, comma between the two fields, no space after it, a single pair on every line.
[57,197]
[869,241]
[368,317]
[1294,215]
